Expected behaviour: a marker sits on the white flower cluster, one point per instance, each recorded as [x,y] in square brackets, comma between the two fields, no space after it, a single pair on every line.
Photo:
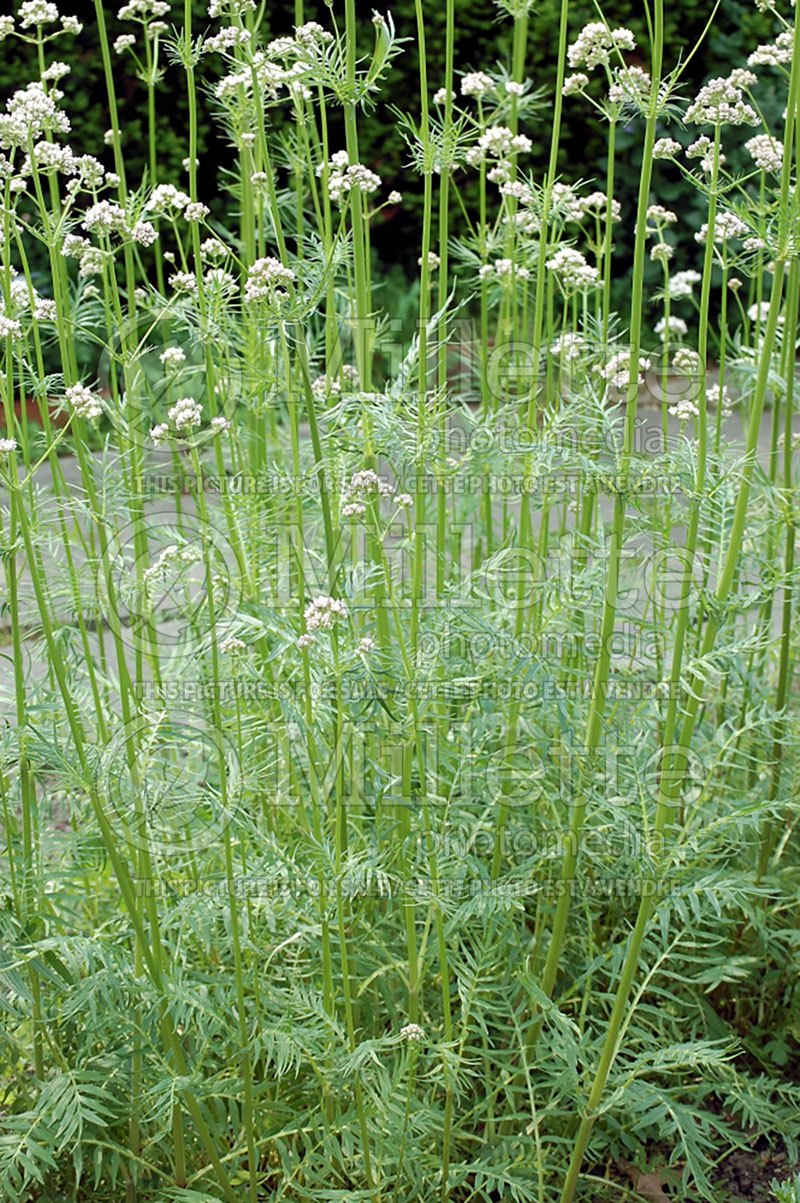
[433,261]
[575,84]
[503,269]
[30,112]
[596,205]
[666,148]
[727,225]
[631,85]
[104,217]
[230,646]
[172,358]
[143,10]
[686,361]
[758,312]
[323,612]
[365,646]
[683,409]
[212,249]
[344,176]
[362,484]
[775,55]
[21,299]
[37,12]
[8,445]
[568,347]
[270,78]
[238,8]
[499,141]
[681,284]
[265,279]
[412,1032]
[676,325]
[703,148]
[167,201]
[89,257]
[617,371]
[595,43]
[183,282]
[765,151]
[186,414]
[477,84]
[84,403]
[571,269]
[176,554]
[721,398]
[226,40]
[721,102]
[661,217]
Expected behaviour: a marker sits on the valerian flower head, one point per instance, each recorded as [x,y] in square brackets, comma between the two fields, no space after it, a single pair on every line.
[323,612]
[568,346]
[143,10]
[765,151]
[167,201]
[681,284]
[574,84]
[231,646]
[676,325]
[727,225]
[595,43]
[37,12]
[617,370]
[683,409]
[666,148]
[631,86]
[266,278]
[186,414]
[172,358]
[571,269]
[31,112]
[343,176]
[477,84]
[686,361]
[719,397]
[776,54]
[84,403]
[412,1032]
[721,102]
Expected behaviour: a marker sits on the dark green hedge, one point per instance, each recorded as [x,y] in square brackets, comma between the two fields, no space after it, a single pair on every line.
[483,38]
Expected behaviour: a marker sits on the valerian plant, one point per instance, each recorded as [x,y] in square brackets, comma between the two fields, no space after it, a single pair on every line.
[399,743]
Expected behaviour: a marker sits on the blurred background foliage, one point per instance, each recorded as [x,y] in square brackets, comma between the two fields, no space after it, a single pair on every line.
[483,41]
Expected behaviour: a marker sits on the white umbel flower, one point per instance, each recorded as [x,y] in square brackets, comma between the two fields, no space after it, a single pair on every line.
[84,403]
[186,414]
[477,84]
[323,612]
[412,1032]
